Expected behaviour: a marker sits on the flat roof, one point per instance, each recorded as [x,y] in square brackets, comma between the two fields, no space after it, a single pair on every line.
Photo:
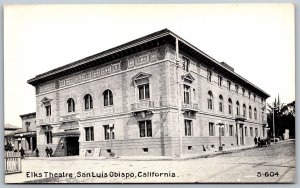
[123,50]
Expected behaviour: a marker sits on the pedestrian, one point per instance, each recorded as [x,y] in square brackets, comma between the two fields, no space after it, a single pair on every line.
[37,152]
[22,151]
[255,140]
[47,151]
[50,152]
[258,141]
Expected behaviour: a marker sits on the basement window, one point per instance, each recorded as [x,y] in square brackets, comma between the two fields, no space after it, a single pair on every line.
[89,151]
[145,150]
[190,147]
[108,150]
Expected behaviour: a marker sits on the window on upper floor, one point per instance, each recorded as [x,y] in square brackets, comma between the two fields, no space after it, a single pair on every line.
[186,63]
[249,94]
[88,102]
[236,88]
[254,97]
[243,90]
[145,128]
[237,108]
[255,113]
[144,92]
[48,110]
[228,85]
[108,98]
[244,110]
[229,106]
[187,127]
[186,94]
[220,80]
[250,112]
[210,100]
[209,75]
[221,103]
[71,105]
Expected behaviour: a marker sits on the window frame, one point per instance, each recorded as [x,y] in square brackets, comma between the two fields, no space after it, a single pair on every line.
[186,64]
[71,105]
[88,102]
[146,126]
[188,127]
[89,134]
[49,137]
[146,95]
[108,98]
[211,129]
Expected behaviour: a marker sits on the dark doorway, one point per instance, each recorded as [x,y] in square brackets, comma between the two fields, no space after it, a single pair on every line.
[33,143]
[72,146]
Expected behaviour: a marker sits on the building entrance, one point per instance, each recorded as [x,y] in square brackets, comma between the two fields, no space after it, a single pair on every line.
[72,146]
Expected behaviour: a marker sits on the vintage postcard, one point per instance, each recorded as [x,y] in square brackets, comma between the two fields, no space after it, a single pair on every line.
[149,93]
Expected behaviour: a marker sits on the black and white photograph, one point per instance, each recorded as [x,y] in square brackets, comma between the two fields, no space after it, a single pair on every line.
[149,93]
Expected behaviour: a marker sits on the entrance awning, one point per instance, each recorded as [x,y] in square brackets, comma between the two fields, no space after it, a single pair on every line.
[71,133]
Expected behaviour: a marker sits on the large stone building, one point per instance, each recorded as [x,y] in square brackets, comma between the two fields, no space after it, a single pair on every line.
[156,95]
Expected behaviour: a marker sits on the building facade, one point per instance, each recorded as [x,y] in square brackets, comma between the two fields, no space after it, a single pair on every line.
[26,137]
[156,95]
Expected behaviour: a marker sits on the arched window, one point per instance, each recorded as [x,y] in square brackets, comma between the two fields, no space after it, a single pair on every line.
[210,100]
[237,108]
[229,106]
[255,113]
[71,105]
[250,112]
[221,103]
[88,102]
[108,97]
[244,110]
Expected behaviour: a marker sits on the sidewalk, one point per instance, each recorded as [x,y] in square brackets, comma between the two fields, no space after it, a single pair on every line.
[205,154]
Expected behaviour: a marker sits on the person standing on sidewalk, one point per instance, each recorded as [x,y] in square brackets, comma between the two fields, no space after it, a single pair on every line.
[22,151]
[47,151]
[37,152]
[255,140]
[50,152]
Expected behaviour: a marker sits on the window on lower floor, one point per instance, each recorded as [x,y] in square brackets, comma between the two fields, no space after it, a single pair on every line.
[211,129]
[251,131]
[187,127]
[222,131]
[145,128]
[256,132]
[246,131]
[231,133]
[109,132]
[89,133]
[48,137]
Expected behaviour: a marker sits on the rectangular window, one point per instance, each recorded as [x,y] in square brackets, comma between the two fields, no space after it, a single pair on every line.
[48,137]
[220,79]
[228,85]
[251,131]
[211,129]
[186,64]
[48,110]
[243,91]
[236,88]
[108,132]
[145,128]
[188,127]
[254,97]
[144,92]
[209,74]
[222,129]
[89,133]
[186,94]
[246,131]
[249,94]
[231,133]
[256,132]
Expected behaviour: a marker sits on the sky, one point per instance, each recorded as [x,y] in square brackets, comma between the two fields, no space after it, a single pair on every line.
[257,40]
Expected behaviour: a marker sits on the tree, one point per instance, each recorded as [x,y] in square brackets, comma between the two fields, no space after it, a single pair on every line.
[284,118]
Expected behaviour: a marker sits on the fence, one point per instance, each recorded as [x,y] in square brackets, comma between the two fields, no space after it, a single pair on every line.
[12,162]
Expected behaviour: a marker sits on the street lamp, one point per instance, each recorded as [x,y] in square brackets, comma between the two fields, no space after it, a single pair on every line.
[221,125]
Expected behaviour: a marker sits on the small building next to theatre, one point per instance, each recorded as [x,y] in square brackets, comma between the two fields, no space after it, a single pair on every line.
[156,95]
